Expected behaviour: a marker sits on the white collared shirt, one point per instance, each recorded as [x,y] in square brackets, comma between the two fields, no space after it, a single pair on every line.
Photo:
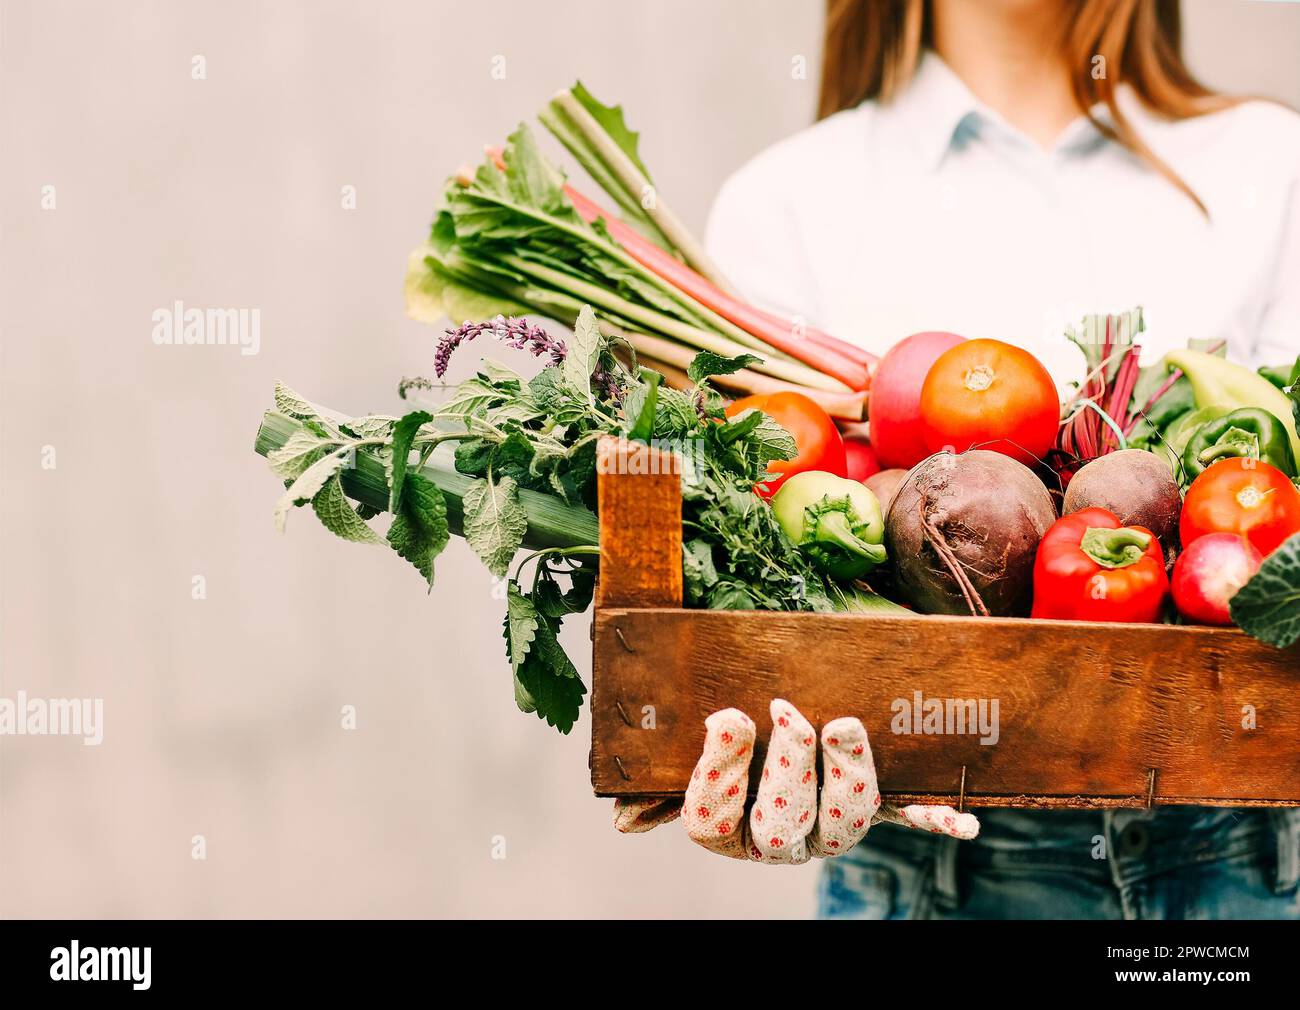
[933,213]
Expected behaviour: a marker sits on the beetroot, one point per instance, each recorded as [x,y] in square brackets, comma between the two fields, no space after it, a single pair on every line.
[963,530]
[884,483]
[1136,485]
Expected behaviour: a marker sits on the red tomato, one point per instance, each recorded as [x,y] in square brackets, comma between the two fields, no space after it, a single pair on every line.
[819,441]
[860,459]
[895,403]
[1209,573]
[1244,496]
[989,395]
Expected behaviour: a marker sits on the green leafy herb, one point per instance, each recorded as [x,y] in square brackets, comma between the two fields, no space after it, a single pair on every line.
[1268,606]
[495,522]
[338,516]
[419,531]
[403,434]
[514,438]
[706,364]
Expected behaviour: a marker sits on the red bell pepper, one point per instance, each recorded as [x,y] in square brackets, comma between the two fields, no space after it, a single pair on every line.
[1090,568]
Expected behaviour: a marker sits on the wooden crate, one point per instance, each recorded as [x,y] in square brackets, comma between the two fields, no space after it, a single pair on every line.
[1089,715]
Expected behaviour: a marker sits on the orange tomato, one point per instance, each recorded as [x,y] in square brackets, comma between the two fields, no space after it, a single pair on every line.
[819,442]
[986,394]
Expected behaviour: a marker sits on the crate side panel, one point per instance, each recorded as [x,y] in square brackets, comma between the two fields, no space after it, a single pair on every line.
[1081,710]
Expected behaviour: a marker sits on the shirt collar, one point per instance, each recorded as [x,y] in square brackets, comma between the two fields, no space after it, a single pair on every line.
[937,112]
[931,107]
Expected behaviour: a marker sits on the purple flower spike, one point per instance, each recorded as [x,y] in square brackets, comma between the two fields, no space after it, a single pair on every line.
[517,333]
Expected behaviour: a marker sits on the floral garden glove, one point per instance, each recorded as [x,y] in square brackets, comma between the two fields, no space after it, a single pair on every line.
[788,822]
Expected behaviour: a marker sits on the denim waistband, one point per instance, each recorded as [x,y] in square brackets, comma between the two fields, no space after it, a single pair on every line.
[1124,846]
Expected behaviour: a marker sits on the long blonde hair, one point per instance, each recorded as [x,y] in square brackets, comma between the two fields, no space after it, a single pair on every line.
[872,48]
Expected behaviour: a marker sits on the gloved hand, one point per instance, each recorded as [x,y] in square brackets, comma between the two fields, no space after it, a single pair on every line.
[788,822]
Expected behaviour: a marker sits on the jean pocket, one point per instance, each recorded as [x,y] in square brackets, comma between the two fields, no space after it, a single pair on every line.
[850,890]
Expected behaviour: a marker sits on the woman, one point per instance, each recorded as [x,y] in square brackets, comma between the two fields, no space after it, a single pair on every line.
[998,168]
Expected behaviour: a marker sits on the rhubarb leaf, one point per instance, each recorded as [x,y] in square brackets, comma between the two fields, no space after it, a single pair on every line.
[495,522]
[1268,606]
[611,121]
[433,293]
[403,433]
[420,532]
[338,516]
[532,180]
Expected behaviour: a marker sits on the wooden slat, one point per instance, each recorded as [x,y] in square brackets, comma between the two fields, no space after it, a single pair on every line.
[1087,712]
[639,494]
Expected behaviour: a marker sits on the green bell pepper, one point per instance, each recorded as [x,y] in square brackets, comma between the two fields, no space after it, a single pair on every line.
[1217,382]
[1279,375]
[834,521]
[1249,432]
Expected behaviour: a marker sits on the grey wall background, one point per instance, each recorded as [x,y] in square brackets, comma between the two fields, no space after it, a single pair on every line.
[223,714]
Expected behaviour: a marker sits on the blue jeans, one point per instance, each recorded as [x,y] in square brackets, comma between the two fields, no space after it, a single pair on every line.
[1170,863]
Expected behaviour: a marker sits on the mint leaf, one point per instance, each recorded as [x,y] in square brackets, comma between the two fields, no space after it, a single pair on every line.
[308,485]
[419,532]
[370,426]
[1268,606]
[698,568]
[473,456]
[639,406]
[521,625]
[338,516]
[743,424]
[471,397]
[495,522]
[289,402]
[403,433]
[547,683]
[302,449]
[706,363]
[675,415]
[582,351]
[514,457]
[773,441]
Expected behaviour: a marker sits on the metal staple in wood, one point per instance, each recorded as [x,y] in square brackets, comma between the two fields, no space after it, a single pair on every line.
[619,632]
